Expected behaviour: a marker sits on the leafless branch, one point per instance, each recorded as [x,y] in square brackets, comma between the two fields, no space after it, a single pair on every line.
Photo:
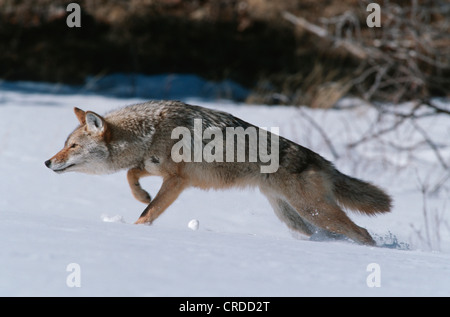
[402,59]
[430,142]
[322,133]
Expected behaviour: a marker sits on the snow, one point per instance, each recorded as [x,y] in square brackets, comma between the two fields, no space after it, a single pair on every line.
[193,224]
[55,229]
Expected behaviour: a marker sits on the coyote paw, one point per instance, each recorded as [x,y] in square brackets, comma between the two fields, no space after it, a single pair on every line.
[141,195]
[142,221]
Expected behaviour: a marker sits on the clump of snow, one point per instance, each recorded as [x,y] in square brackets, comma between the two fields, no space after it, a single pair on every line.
[115,218]
[193,224]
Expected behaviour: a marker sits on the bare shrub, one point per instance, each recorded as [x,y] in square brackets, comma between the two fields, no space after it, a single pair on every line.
[407,58]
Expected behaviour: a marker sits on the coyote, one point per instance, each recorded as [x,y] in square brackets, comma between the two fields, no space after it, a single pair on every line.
[306,191]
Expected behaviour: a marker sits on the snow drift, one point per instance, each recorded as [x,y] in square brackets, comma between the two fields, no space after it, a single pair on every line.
[50,221]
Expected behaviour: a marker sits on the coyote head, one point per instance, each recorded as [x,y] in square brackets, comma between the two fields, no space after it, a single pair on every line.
[85,150]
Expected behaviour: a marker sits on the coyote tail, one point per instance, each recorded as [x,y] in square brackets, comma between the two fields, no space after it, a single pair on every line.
[361,196]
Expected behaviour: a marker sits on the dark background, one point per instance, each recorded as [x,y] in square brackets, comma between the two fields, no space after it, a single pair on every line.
[248,41]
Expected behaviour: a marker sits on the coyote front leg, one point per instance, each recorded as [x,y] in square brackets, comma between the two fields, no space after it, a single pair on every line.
[170,189]
[133,177]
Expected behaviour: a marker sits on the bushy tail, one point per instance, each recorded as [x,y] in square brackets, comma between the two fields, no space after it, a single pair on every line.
[361,196]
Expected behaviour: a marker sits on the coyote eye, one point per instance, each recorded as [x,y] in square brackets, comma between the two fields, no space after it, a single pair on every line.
[74,145]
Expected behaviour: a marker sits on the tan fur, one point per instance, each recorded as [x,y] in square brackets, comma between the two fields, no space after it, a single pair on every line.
[306,191]
[171,187]
[81,115]
[133,176]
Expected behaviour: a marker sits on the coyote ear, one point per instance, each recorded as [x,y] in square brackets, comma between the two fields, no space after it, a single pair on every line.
[95,123]
[81,115]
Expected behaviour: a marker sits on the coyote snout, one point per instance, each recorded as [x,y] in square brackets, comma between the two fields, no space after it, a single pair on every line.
[304,189]
[85,149]
[48,163]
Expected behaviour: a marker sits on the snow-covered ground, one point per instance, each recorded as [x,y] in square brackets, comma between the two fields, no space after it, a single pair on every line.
[58,232]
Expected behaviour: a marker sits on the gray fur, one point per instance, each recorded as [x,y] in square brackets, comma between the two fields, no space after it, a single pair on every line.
[306,191]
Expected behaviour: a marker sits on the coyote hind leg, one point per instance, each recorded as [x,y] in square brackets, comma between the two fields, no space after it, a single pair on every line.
[133,176]
[331,217]
[312,197]
[289,215]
